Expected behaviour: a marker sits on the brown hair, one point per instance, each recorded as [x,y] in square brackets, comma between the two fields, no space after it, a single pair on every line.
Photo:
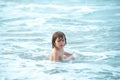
[56,35]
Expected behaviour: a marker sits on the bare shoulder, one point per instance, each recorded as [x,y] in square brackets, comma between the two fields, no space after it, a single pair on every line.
[54,51]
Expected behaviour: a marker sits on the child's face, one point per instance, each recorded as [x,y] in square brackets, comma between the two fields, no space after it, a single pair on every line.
[60,42]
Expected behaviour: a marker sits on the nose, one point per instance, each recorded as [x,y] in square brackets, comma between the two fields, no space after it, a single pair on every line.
[61,42]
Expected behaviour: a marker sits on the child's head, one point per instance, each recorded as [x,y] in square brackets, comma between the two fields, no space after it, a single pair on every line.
[58,35]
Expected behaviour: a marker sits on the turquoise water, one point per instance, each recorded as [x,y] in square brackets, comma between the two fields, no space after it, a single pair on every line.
[92,29]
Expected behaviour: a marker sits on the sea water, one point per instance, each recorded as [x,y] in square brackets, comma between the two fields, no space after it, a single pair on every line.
[92,30]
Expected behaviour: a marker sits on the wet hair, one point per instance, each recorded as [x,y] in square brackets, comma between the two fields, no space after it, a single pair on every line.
[56,35]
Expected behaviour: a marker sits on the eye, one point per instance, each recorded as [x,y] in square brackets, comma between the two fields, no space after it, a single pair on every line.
[58,40]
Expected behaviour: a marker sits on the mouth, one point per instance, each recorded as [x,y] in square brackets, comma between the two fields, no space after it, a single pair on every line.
[61,45]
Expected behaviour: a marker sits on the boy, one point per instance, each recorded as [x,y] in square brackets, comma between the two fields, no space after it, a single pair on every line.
[58,43]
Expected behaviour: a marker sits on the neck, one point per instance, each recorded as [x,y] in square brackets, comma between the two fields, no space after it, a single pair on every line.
[60,49]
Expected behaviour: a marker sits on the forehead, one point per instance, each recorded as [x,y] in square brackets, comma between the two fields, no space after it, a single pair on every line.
[60,38]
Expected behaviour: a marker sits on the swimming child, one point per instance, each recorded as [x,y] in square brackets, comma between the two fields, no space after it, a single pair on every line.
[58,43]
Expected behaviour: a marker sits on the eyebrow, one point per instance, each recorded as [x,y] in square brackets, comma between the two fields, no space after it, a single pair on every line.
[61,38]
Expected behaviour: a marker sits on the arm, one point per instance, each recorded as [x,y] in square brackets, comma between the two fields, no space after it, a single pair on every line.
[67,54]
[55,56]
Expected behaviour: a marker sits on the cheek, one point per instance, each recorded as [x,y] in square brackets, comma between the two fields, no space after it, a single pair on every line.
[56,43]
[64,43]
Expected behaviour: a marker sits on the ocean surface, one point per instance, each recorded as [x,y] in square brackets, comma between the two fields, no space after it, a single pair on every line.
[92,28]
